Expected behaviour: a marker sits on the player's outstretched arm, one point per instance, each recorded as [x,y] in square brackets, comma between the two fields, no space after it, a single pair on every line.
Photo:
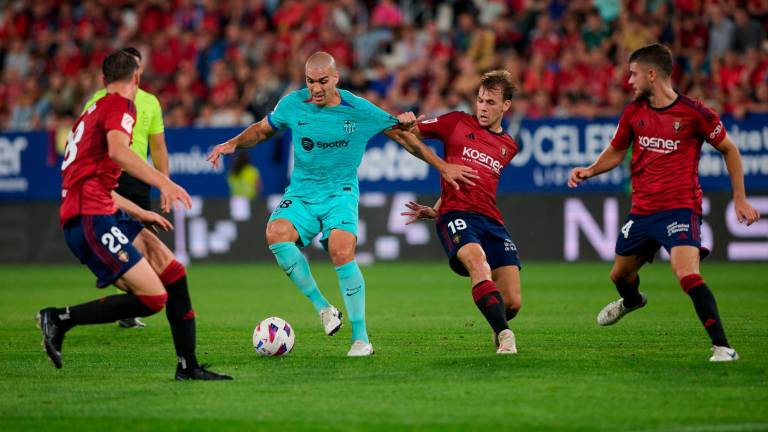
[420,211]
[409,122]
[119,151]
[609,159]
[452,173]
[744,210]
[251,136]
[144,216]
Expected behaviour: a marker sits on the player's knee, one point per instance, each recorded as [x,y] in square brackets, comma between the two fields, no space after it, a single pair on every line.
[273,234]
[473,257]
[477,272]
[477,267]
[342,255]
[154,303]
[278,232]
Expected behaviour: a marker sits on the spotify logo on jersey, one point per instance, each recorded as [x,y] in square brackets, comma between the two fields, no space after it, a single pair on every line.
[307,144]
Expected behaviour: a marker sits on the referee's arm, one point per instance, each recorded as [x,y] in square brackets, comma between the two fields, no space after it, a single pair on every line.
[158,151]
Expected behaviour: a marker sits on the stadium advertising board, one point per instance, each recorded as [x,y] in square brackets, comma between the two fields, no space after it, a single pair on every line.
[555,227]
[29,168]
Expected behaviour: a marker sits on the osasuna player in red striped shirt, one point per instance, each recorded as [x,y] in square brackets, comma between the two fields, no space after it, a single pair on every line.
[666,131]
[115,246]
[469,225]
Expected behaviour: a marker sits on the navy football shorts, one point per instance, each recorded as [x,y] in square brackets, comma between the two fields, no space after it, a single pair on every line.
[104,243]
[645,234]
[457,228]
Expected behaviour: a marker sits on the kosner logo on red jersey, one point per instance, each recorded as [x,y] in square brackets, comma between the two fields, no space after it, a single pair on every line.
[659,145]
[482,158]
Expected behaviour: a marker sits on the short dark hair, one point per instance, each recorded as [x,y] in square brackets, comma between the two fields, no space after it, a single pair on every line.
[656,55]
[499,79]
[118,66]
[132,51]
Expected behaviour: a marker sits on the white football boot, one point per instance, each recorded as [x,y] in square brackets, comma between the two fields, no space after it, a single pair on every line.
[507,342]
[360,349]
[331,319]
[723,354]
[614,311]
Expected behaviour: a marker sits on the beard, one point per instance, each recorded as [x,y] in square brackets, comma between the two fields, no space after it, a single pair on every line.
[642,94]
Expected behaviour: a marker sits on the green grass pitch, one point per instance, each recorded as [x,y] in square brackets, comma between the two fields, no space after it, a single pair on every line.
[434,367]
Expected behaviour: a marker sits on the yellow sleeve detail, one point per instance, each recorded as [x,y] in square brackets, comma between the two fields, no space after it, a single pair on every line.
[96,96]
[156,125]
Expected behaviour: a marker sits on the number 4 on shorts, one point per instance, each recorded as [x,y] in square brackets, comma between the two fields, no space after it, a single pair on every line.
[625,229]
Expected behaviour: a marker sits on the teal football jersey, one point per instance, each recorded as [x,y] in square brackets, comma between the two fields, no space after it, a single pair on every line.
[328,142]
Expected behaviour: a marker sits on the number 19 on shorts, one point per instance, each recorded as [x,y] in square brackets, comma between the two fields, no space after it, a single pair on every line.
[457,225]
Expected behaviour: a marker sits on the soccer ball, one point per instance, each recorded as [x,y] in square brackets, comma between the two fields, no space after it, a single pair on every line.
[273,337]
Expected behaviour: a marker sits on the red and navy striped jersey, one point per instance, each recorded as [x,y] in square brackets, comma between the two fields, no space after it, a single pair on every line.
[88,174]
[666,148]
[468,143]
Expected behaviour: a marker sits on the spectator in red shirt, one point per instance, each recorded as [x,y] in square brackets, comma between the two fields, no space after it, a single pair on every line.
[545,39]
[731,72]
[538,76]
[386,14]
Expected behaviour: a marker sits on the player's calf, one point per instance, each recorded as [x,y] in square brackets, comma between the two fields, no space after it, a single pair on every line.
[706,308]
[628,288]
[181,318]
[352,287]
[110,309]
[488,300]
[296,267]
[55,322]
[180,315]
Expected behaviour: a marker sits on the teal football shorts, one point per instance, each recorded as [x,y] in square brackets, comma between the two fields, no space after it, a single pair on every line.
[336,212]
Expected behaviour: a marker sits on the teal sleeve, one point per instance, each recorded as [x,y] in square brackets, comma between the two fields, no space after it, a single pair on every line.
[376,119]
[280,116]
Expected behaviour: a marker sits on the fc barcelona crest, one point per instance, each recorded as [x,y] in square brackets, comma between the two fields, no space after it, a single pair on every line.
[677,125]
[349,126]
[456,239]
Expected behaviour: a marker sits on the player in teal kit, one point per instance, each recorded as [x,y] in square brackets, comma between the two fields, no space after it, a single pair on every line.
[330,129]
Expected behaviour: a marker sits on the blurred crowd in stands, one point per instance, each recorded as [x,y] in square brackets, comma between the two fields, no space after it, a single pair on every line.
[227,62]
